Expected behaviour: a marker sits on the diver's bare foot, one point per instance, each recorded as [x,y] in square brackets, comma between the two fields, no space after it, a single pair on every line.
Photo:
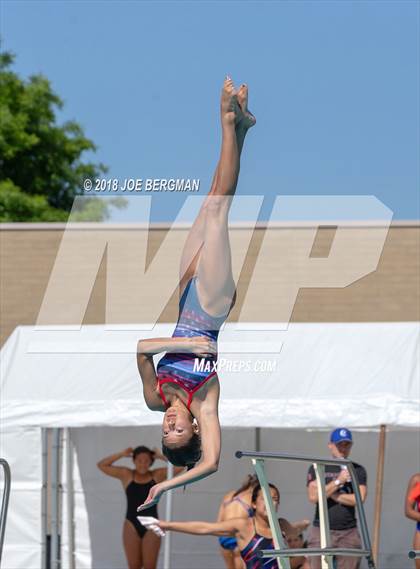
[247,118]
[228,104]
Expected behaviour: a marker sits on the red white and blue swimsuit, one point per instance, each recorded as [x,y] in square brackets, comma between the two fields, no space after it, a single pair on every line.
[249,553]
[182,368]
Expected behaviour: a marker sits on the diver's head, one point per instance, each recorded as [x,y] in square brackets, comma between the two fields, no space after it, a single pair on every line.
[181,442]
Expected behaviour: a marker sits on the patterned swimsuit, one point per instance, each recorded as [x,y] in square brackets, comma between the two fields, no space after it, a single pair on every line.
[188,370]
[249,553]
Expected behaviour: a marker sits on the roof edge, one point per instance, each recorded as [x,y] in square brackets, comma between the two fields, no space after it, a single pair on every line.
[57,226]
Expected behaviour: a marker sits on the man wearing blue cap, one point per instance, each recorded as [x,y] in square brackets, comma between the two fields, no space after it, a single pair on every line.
[340,500]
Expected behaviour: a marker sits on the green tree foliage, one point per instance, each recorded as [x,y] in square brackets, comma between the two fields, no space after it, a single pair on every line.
[41,171]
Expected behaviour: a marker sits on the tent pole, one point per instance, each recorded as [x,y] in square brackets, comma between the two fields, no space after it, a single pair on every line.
[5,500]
[168,515]
[257,439]
[378,496]
[44,446]
[55,502]
[70,497]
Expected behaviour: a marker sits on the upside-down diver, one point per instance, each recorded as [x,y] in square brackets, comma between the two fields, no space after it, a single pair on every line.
[189,396]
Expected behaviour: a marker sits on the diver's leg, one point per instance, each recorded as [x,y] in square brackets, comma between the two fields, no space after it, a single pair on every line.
[194,241]
[215,283]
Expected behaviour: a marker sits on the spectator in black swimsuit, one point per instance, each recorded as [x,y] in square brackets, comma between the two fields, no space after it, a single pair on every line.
[140,545]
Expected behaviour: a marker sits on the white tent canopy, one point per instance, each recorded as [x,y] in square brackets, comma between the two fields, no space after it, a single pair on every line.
[360,375]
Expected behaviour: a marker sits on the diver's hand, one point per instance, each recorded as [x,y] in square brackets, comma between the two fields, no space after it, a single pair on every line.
[202,346]
[155,494]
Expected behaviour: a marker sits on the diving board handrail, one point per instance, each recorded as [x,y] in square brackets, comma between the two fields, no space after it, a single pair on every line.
[325,551]
[312,552]
[272,515]
[5,501]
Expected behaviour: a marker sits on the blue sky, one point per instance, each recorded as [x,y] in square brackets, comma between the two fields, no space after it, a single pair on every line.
[334,87]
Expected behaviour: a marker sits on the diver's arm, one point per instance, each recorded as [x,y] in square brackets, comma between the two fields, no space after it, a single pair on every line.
[210,442]
[148,347]
[202,470]
[145,350]
[199,472]
[210,445]
[152,346]
[147,372]
[206,467]
[199,345]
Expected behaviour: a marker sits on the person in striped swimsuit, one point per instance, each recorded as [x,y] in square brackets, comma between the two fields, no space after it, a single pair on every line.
[185,384]
[253,534]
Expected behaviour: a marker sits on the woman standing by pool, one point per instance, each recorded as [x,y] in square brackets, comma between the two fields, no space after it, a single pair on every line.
[141,546]
[188,396]
[253,534]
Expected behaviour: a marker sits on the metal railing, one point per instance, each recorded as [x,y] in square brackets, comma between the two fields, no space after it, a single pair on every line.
[326,551]
[5,501]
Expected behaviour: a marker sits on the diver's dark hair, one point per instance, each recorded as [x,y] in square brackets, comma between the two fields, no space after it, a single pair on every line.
[142,449]
[186,455]
[257,489]
[250,481]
